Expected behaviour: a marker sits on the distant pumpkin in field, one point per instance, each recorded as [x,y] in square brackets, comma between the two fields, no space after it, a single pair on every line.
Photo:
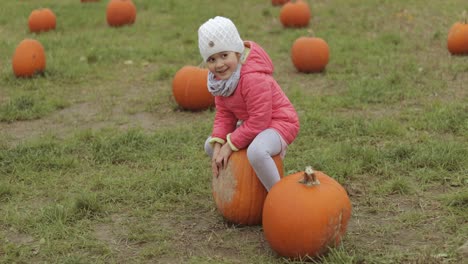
[295,14]
[279,2]
[120,12]
[29,58]
[457,41]
[310,54]
[190,90]
[42,19]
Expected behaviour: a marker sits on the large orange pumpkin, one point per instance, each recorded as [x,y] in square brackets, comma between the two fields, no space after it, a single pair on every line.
[189,87]
[29,58]
[295,14]
[310,54]
[279,2]
[457,41]
[42,19]
[238,193]
[305,213]
[120,12]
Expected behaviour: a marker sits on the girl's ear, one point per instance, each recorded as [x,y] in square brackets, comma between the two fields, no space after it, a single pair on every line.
[240,57]
[243,56]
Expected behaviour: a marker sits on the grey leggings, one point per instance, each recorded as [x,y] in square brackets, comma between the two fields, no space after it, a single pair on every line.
[266,144]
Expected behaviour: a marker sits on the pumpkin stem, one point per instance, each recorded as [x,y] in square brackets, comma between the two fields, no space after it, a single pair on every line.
[311,33]
[465,19]
[310,179]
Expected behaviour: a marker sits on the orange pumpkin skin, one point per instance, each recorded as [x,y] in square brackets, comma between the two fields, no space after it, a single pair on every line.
[189,88]
[300,220]
[238,193]
[310,54]
[29,58]
[295,14]
[120,12]
[279,2]
[457,41]
[42,19]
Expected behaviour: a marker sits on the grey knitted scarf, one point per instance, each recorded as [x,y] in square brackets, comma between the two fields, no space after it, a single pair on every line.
[223,87]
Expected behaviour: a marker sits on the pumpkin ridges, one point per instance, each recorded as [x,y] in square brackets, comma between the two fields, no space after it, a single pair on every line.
[238,193]
[309,220]
[253,202]
[239,209]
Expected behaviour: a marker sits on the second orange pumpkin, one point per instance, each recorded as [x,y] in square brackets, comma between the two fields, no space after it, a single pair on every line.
[190,90]
[120,12]
[42,20]
[457,41]
[310,54]
[295,14]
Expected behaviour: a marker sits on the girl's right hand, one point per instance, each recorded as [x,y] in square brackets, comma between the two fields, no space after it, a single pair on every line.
[214,165]
[221,159]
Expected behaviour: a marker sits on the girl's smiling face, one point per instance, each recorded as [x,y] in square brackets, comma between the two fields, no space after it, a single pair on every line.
[223,64]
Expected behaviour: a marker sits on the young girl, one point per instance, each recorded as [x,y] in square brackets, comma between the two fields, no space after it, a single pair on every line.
[251,109]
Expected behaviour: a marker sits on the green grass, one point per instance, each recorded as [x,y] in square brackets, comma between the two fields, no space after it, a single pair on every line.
[99,165]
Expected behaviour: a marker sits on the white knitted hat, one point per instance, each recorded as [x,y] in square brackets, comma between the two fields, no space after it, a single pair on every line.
[218,34]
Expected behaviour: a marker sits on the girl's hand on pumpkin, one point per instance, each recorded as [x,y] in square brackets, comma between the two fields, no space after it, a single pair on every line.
[214,166]
[223,156]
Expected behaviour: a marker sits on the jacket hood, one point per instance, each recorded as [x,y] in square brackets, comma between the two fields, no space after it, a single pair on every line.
[257,60]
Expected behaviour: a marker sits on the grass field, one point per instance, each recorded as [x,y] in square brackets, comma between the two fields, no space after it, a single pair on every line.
[99,165]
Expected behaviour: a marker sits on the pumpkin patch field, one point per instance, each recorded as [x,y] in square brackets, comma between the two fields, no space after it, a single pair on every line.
[101,146]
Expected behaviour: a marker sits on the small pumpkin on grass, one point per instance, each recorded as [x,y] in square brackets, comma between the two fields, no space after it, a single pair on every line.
[457,41]
[305,214]
[238,193]
[28,58]
[120,12]
[42,19]
[190,90]
[310,54]
[295,14]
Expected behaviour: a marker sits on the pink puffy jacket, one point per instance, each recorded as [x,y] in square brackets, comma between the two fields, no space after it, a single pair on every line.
[258,102]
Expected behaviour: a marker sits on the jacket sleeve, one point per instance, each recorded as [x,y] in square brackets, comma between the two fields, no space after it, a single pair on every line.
[224,122]
[258,99]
